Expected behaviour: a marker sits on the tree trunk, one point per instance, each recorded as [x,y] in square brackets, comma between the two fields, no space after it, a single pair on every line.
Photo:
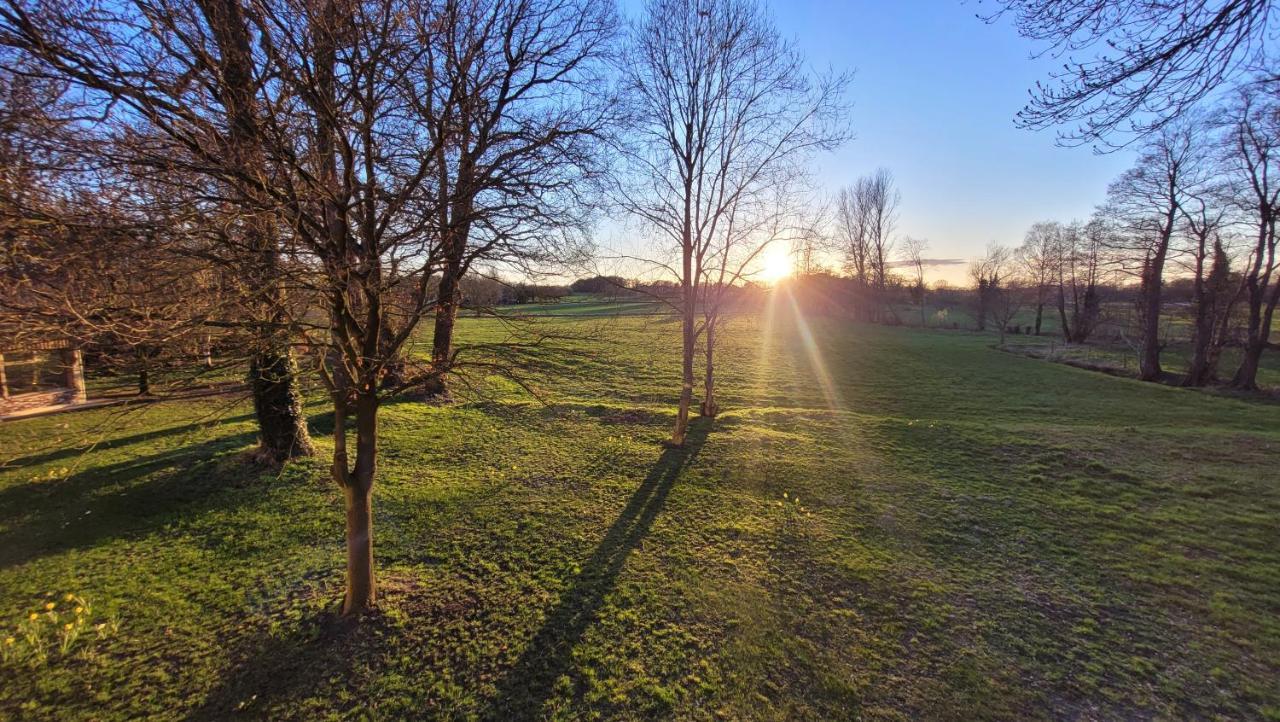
[1246,378]
[357,489]
[73,373]
[277,404]
[1062,313]
[4,380]
[686,387]
[1208,291]
[1152,286]
[1039,316]
[1261,311]
[709,405]
[362,590]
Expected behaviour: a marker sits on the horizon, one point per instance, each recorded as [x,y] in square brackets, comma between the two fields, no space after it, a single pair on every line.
[967,175]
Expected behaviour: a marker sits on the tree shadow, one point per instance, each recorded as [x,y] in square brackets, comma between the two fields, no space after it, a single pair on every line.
[524,690]
[281,667]
[102,502]
[67,452]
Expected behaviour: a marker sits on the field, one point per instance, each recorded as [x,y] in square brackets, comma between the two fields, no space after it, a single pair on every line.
[884,523]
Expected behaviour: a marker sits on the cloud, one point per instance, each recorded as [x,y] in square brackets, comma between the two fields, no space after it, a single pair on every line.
[928,262]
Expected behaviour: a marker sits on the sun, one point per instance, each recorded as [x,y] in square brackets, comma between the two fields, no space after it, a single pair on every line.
[775,264]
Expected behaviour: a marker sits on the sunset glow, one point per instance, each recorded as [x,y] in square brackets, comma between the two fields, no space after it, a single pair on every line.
[775,264]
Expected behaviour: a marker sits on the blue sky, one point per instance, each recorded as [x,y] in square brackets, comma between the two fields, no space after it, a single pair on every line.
[933,97]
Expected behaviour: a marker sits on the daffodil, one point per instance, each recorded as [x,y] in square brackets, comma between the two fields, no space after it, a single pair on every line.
[79,610]
[67,627]
[49,605]
[9,641]
[33,616]
[69,596]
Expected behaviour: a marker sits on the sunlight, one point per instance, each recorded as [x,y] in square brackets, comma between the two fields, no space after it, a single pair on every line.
[816,361]
[775,264]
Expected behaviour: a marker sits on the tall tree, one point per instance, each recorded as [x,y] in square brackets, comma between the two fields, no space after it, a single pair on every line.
[720,106]
[183,77]
[1146,200]
[517,110]
[1040,255]
[913,250]
[1253,162]
[1204,218]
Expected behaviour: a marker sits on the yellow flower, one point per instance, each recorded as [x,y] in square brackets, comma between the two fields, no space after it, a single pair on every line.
[79,610]
[69,596]
[779,503]
[49,605]
[67,627]
[33,616]
[9,641]
[784,495]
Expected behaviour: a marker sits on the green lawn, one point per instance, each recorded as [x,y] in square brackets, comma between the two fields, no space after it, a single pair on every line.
[983,535]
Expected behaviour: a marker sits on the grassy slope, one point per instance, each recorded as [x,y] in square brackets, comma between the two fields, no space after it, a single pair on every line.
[988,536]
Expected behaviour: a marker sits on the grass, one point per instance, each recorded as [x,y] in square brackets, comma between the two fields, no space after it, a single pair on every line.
[983,536]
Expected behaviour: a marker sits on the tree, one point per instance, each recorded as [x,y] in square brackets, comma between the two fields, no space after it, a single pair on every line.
[722,110]
[1146,202]
[988,272]
[1079,271]
[182,96]
[516,112]
[876,201]
[1040,257]
[1204,218]
[1254,168]
[1151,60]
[1007,301]
[913,255]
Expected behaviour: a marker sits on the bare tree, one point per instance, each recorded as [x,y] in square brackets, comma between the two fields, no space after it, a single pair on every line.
[1253,162]
[988,273]
[516,110]
[1204,219]
[1008,299]
[188,76]
[1041,256]
[878,201]
[1079,277]
[722,109]
[1149,61]
[1146,202]
[913,250]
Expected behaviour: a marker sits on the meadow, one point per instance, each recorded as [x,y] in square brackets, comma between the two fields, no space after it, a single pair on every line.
[884,523]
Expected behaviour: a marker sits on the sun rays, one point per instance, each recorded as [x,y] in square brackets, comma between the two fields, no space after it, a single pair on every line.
[768,348]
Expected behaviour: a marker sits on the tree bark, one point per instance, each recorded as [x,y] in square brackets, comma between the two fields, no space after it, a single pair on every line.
[357,489]
[277,401]
[1261,311]
[1062,313]
[1039,316]
[1152,291]
[277,405]
[709,405]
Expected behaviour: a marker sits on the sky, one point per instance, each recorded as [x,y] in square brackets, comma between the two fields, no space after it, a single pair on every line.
[933,99]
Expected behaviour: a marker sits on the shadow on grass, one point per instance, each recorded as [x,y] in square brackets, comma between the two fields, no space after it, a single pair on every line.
[524,690]
[109,501]
[71,451]
[306,659]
